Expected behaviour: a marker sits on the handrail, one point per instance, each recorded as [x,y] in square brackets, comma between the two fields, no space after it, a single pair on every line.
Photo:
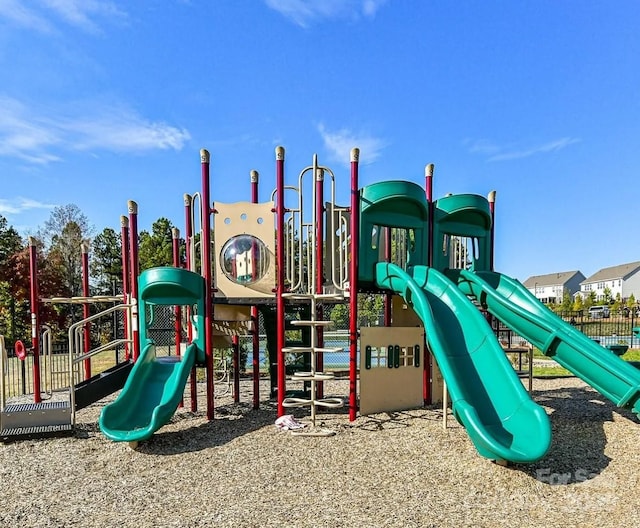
[46,354]
[82,300]
[86,355]
[72,363]
[4,369]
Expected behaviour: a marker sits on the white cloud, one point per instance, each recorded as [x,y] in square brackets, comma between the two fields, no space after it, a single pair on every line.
[124,131]
[16,12]
[20,204]
[42,14]
[81,13]
[303,12]
[495,152]
[340,142]
[43,135]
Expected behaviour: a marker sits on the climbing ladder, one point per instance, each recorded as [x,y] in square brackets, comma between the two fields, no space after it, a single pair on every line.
[304,276]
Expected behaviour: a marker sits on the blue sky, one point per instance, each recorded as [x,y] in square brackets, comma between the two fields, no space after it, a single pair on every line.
[102,101]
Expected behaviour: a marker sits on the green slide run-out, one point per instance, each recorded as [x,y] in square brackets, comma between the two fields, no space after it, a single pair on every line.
[150,397]
[487,396]
[509,301]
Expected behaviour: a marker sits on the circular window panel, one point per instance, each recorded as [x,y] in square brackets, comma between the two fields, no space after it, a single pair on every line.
[244,259]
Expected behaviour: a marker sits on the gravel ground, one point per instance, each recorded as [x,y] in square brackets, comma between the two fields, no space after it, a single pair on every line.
[401,469]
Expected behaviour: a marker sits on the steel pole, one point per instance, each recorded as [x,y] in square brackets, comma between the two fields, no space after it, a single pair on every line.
[353,284]
[255,317]
[280,315]
[35,318]
[205,246]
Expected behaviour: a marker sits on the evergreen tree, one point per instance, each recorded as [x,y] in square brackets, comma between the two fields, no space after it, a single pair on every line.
[106,261]
[156,248]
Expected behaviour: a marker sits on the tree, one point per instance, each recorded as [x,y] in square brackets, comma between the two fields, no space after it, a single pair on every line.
[10,244]
[631,301]
[607,295]
[19,288]
[578,303]
[617,304]
[62,235]
[567,301]
[106,261]
[156,248]
[340,316]
[369,309]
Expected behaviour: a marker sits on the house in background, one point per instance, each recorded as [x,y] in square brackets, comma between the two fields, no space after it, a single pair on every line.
[550,288]
[623,279]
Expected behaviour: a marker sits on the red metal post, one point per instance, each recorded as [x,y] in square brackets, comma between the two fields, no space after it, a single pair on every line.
[388,297]
[492,208]
[280,315]
[133,273]
[426,373]
[126,277]
[205,245]
[255,318]
[35,319]
[188,227]
[353,284]
[428,176]
[84,247]
[319,214]
[175,247]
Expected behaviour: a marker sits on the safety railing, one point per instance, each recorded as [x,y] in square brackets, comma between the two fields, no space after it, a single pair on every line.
[4,362]
[76,345]
[47,348]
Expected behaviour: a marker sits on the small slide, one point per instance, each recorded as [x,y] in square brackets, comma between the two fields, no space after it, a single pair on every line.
[514,305]
[487,396]
[150,396]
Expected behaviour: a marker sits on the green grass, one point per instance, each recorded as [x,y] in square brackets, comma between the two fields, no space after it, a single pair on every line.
[632,355]
[550,372]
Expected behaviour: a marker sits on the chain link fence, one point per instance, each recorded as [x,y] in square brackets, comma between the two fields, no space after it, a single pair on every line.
[617,329]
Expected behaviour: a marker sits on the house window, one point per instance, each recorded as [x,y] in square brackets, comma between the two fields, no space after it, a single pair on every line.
[601,285]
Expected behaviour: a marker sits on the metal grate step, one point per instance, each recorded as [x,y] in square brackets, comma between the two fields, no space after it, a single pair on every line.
[28,415]
[41,431]
[35,407]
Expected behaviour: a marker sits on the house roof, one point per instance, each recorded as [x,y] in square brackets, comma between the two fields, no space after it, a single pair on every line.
[551,279]
[623,271]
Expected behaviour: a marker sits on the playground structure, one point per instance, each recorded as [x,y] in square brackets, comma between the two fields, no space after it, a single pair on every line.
[433,261]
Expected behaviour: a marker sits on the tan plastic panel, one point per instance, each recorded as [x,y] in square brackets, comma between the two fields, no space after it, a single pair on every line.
[245,218]
[402,314]
[384,389]
[437,382]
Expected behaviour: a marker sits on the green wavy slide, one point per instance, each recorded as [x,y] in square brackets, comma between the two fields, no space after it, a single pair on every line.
[150,397]
[487,396]
[514,305]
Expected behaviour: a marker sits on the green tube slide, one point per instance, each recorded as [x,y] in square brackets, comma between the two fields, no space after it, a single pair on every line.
[514,305]
[487,396]
[149,398]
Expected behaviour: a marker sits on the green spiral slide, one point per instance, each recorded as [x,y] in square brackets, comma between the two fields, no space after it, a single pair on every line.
[487,396]
[514,305]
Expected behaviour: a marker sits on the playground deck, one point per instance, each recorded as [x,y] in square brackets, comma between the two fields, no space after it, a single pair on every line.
[383,470]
